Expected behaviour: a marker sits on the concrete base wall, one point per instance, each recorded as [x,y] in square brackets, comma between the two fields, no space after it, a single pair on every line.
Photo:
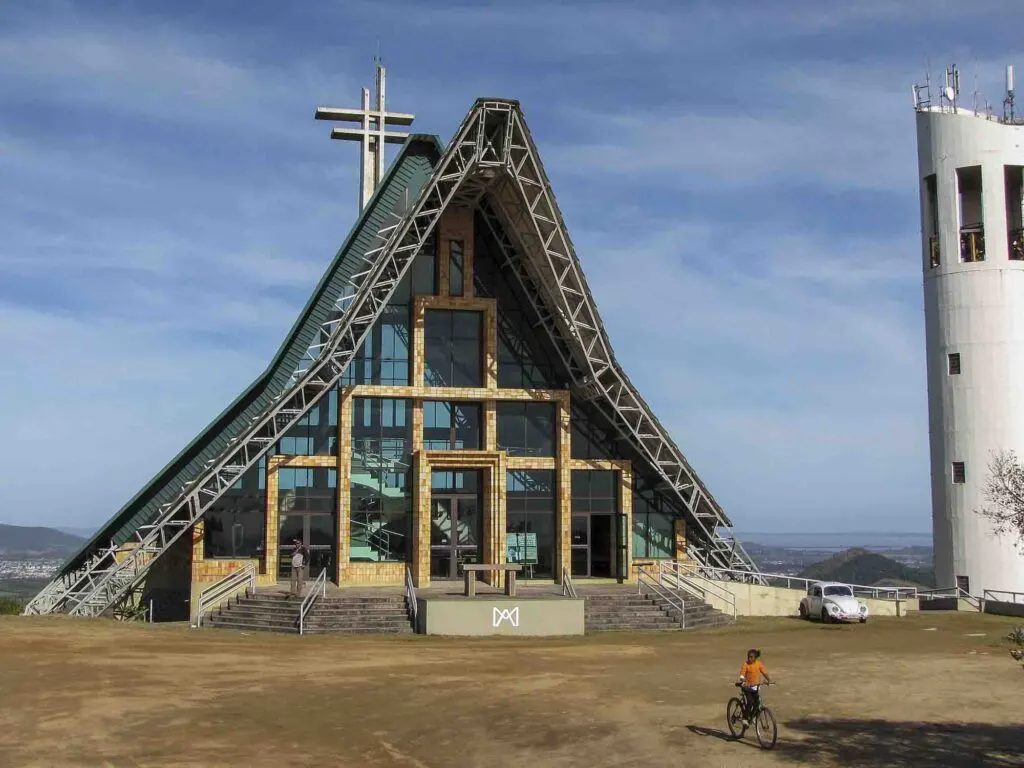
[487,616]
[757,600]
[1004,608]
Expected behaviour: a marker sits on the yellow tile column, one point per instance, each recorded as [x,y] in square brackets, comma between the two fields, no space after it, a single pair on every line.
[345,408]
[273,530]
[564,519]
[421,521]
[419,314]
[626,505]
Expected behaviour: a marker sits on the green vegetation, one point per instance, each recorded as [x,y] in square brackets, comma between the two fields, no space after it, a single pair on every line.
[21,589]
[9,607]
[858,566]
[1017,638]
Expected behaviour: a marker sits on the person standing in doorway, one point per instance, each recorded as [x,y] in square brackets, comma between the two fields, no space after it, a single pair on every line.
[298,567]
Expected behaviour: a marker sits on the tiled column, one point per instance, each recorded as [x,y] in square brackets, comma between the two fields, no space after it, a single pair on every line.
[273,529]
[345,408]
[564,520]
[419,313]
[626,505]
[490,426]
[680,539]
[456,224]
[421,520]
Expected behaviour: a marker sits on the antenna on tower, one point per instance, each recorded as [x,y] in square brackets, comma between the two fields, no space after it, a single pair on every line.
[952,90]
[1008,101]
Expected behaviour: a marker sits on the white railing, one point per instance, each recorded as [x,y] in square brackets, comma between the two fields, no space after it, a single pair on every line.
[225,589]
[319,589]
[950,593]
[794,582]
[568,590]
[994,594]
[671,575]
[410,595]
[651,582]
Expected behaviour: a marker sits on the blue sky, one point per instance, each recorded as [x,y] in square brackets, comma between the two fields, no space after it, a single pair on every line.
[739,179]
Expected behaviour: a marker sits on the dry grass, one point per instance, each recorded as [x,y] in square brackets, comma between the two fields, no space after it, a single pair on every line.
[95,693]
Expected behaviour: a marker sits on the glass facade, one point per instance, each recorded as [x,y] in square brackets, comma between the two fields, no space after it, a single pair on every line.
[524,360]
[451,426]
[234,526]
[595,502]
[653,521]
[453,354]
[526,428]
[530,521]
[381,493]
[384,356]
[423,272]
[316,433]
[590,441]
[307,505]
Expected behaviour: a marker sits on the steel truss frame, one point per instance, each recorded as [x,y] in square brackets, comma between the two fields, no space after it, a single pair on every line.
[492,155]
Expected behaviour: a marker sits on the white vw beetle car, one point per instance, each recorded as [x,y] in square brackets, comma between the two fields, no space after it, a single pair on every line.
[830,601]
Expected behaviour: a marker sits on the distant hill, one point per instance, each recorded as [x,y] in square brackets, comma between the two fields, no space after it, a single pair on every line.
[17,539]
[858,566]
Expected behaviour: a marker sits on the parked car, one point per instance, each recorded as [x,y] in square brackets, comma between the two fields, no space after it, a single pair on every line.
[831,601]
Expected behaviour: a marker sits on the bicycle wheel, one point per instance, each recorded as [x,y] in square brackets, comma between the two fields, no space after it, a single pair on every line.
[734,717]
[766,729]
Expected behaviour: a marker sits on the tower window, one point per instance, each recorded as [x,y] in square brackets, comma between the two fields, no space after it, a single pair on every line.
[972,229]
[931,218]
[953,360]
[1013,176]
[959,473]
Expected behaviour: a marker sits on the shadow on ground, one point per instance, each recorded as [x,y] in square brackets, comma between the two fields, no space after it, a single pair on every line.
[876,743]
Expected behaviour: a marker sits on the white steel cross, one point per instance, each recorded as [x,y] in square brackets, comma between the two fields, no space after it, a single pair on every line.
[372,132]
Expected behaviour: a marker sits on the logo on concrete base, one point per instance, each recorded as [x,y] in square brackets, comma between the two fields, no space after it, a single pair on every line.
[505,614]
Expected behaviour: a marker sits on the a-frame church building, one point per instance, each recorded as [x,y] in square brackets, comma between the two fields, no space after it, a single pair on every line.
[448,395]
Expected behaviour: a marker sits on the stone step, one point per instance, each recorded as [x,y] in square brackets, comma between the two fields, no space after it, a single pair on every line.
[405,629]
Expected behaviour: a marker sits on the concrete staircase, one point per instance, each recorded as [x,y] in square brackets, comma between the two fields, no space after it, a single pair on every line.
[333,614]
[624,610]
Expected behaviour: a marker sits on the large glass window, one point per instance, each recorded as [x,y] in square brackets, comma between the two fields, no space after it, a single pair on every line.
[307,489]
[456,268]
[316,433]
[530,514]
[234,526]
[590,441]
[381,493]
[595,491]
[383,358]
[424,271]
[526,428]
[451,426]
[453,354]
[653,530]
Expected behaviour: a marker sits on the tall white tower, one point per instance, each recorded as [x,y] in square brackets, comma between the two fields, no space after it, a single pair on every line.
[970,172]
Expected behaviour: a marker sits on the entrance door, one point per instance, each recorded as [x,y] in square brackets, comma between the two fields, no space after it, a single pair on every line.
[314,529]
[593,542]
[454,533]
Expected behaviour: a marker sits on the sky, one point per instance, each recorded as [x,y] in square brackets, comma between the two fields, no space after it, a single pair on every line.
[738,178]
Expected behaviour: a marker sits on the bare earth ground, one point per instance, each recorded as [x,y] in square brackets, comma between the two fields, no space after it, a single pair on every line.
[891,692]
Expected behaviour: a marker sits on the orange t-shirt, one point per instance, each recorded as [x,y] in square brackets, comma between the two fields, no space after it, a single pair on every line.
[752,672]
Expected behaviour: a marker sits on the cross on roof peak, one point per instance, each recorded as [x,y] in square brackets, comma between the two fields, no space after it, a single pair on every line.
[372,132]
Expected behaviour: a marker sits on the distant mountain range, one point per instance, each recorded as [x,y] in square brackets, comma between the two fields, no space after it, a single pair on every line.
[17,539]
[859,566]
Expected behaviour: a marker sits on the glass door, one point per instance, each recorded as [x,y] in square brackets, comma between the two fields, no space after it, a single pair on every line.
[317,531]
[454,534]
[593,545]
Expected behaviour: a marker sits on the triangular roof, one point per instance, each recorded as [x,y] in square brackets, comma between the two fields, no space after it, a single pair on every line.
[491,163]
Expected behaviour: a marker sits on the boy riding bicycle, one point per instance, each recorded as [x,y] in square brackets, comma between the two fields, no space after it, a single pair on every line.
[750,677]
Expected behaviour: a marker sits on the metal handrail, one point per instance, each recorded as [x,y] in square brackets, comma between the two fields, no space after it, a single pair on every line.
[227,587]
[410,594]
[990,594]
[720,574]
[954,592]
[568,590]
[671,568]
[665,594]
[308,600]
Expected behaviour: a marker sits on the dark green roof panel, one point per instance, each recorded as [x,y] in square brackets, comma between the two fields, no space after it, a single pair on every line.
[402,184]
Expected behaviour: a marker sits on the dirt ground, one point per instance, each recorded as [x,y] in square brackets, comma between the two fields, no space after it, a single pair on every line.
[929,690]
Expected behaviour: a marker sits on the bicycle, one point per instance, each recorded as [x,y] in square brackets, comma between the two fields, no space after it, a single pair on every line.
[765,728]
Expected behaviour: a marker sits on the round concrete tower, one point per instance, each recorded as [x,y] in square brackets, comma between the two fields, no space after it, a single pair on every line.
[970,172]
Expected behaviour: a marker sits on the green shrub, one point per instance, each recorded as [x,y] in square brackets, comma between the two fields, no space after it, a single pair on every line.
[1017,638]
[10,607]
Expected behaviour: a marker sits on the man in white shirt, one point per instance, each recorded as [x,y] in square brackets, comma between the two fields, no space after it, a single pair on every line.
[298,567]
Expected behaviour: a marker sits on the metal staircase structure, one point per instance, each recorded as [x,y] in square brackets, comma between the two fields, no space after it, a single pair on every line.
[491,163]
